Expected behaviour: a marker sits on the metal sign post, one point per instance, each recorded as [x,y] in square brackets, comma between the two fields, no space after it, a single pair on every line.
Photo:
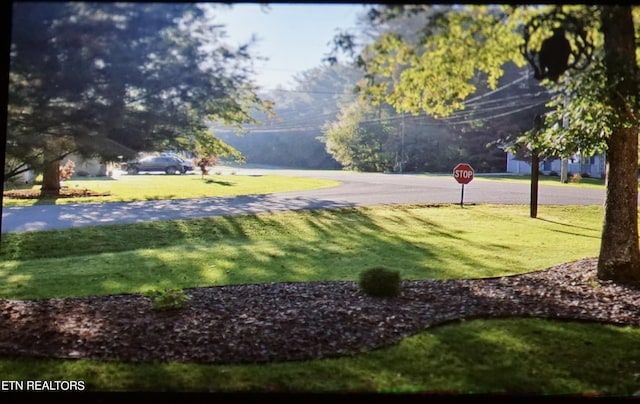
[463,173]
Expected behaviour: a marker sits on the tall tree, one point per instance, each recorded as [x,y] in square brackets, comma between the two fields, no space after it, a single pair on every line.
[619,251]
[109,79]
[360,139]
[464,43]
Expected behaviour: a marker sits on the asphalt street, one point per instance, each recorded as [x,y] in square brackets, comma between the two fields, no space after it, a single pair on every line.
[357,189]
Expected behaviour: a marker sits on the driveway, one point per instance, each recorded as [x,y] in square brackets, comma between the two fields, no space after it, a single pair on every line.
[357,189]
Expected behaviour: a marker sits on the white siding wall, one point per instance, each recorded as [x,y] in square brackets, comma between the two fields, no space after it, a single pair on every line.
[593,166]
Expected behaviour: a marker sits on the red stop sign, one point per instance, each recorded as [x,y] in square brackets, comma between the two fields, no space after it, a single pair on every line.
[463,173]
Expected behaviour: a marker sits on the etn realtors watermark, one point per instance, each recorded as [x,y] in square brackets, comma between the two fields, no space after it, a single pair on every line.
[42,385]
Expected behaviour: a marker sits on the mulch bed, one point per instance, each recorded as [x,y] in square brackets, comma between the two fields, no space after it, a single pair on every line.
[298,321]
[64,193]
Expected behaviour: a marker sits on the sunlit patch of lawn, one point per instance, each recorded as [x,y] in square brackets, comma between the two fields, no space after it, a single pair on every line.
[159,186]
[421,242]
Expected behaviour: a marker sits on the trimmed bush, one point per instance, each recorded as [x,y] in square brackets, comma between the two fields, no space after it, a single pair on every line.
[380,282]
[168,299]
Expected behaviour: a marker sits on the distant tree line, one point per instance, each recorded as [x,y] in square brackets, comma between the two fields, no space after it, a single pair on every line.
[323,126]
[321,123]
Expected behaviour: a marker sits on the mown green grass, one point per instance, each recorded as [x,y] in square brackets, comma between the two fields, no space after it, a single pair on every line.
[419,241]
[528,356]
[149,187]
[512,356]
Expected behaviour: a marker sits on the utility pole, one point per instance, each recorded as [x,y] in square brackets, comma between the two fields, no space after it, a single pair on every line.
[402,144]
[564,170]
[564,166]
[535,169]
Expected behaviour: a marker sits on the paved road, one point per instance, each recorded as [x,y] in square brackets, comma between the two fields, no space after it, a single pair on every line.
[357,189]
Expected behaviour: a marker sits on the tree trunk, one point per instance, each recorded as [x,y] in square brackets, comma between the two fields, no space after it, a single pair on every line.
[619,258]
[51,180]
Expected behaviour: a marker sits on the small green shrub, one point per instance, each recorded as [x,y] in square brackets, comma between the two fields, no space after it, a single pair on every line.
[575,178]
[168,299]
[380,282]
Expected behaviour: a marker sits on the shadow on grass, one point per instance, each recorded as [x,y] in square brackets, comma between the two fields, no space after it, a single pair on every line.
[102,178]
[530,357]
[568,225]
[45,201]
[327,244]
[218,182]
[578,232]
[505,356]
[321,241]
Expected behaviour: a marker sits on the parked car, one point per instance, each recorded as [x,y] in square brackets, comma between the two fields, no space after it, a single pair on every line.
[186,163]
[167,164]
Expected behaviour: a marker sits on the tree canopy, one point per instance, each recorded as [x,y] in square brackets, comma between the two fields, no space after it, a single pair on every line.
[109,79]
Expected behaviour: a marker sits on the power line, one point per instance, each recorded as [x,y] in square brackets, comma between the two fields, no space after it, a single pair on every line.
[514,82]
[479,104]
[442,121]
[500,115]
[304,91]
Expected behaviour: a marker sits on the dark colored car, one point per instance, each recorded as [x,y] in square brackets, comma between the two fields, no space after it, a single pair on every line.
[167,164]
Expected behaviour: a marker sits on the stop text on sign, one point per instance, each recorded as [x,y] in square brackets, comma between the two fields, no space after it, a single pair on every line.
[463,173]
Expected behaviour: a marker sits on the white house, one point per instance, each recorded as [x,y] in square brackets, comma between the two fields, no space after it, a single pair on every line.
[91,167]
[593,166]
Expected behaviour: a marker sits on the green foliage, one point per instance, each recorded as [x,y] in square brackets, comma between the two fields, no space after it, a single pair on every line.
[360,141]
[464,46]
[167,299]
[435,75]
[111,79]
[205,145]
[380,282]
[369,138]
[580,118]
[292,137]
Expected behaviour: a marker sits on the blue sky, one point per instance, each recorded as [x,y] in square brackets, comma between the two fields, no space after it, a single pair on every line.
[293,36]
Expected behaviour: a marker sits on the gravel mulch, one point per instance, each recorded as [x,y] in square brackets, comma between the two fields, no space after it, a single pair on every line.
[298,321]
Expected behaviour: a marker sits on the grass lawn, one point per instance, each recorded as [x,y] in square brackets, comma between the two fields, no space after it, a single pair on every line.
[512,356]
[481,356]
[420,241]
[543,180]
[159,186]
